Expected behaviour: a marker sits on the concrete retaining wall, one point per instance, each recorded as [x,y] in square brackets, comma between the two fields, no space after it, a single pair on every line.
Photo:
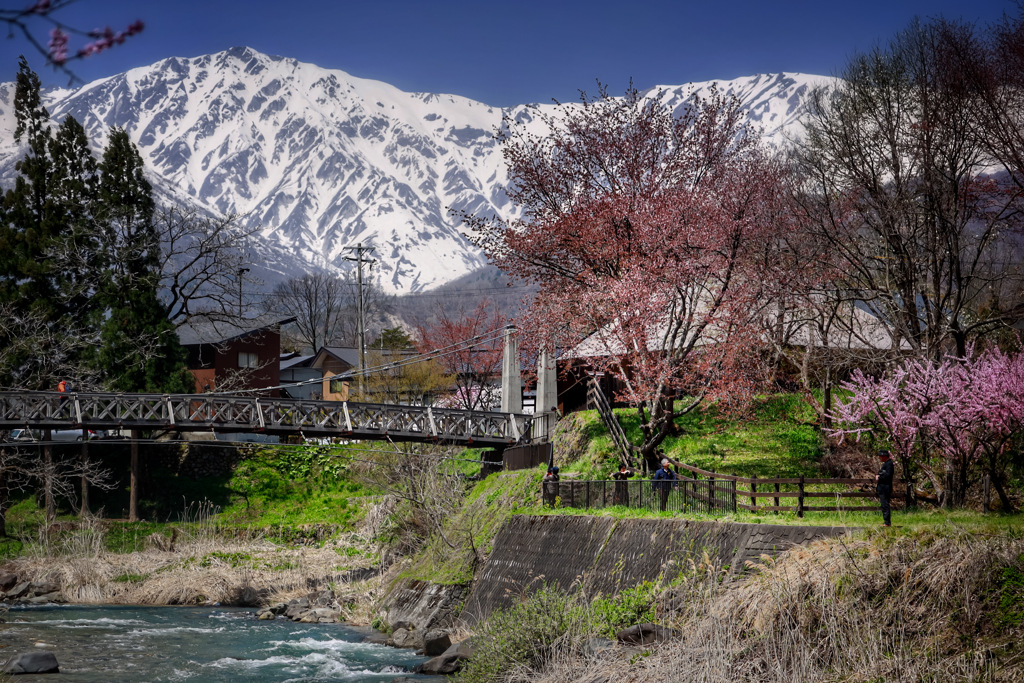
[421,605]
[615,553]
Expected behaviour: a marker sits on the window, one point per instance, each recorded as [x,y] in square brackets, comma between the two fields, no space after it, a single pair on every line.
[247,359]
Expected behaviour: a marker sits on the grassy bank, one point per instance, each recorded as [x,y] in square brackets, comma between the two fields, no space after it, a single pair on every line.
[776,439]
[945,604]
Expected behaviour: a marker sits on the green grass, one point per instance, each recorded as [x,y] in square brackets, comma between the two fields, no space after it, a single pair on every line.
[914,522]
[487,505]
[1010,609]
[776,439]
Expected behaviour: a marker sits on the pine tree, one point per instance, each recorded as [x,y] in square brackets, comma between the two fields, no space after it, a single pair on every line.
[71,202]
[139,350]
[27,234]
[24,232]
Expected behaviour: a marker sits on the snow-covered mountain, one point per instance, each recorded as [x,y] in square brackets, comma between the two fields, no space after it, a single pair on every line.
[322,160]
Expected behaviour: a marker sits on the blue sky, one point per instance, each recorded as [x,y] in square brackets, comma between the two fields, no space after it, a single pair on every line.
[511,52]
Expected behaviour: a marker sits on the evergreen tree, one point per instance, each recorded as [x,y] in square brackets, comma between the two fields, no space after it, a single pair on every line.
[71,203]
[27,234]
[139,349]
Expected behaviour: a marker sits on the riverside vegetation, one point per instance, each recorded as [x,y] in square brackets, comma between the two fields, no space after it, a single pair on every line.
[939,597]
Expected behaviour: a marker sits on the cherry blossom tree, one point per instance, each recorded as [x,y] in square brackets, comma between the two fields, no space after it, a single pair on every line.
[644,231]
[468,347]
[65,43]
[951,419]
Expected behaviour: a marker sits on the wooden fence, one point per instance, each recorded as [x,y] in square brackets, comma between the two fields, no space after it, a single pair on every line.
[767,495]
[526,457]
[682,495]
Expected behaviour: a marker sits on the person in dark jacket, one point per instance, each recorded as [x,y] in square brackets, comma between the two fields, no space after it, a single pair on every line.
[549,486]
[664,482]
[621,485]
[884,487]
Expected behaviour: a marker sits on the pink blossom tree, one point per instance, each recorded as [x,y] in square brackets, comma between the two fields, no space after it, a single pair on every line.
[644,232]
[58,49]
[951,419]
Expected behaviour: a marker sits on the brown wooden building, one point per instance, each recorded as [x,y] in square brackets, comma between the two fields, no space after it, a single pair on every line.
[225,357]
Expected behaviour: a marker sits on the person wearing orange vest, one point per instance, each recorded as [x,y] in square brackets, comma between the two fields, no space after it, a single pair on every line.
[62,386]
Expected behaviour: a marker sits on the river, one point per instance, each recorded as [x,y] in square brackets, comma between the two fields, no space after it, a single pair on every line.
[141,644]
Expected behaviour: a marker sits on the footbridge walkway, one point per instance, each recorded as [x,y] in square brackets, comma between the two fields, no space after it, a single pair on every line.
[235,414]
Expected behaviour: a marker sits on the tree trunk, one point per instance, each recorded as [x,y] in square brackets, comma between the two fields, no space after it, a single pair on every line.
[49,504]
[133,493]
[1004,499]
[84,459]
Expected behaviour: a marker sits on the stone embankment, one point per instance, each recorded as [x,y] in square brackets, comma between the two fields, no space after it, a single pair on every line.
[608,554]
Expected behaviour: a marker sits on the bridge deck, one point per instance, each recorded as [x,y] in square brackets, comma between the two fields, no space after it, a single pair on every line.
[205,412]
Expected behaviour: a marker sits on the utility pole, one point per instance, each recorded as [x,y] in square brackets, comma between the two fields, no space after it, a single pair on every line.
[360,322]
[241,272]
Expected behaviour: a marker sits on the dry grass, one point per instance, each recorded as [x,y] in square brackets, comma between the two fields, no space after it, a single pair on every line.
[200,569]
[908,609]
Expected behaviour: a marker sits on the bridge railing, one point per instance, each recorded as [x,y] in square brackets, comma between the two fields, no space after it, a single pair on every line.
[198,412]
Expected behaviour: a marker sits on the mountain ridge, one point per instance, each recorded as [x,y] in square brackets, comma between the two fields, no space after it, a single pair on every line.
[322,160]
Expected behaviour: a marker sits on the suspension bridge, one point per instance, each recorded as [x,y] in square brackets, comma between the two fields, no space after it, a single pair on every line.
[262,415]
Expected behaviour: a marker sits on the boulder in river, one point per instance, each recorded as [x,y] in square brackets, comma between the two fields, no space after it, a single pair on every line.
[32,663]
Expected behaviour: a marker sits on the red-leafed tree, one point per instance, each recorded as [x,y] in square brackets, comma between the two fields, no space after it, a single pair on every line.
[645,233]
[468,346]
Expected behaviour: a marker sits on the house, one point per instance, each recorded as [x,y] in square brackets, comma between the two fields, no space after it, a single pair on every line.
[298,377]
[234,356]
[331,361]
[855,331]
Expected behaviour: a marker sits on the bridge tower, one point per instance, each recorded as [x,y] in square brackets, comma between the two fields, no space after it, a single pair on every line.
[511,374]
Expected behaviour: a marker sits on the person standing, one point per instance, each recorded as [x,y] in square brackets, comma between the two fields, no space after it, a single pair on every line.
[664,482]
[884,486]
[63,387]
[549,486]
[621,485]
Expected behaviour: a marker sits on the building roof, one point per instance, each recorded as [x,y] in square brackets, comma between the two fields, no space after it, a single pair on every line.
[296,361]
[219,332]
[345,354]
[861,330]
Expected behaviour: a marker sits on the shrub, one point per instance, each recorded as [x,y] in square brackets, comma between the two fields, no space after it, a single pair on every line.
[550,624]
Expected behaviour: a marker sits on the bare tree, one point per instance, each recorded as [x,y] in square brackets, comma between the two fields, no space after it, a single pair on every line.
[423,479]
[377,306]
[905,202]
[21,467]
[202,259]
[318,303]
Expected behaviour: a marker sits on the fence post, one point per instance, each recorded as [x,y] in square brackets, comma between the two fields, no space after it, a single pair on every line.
[586,494]
[776,497]
[753,489]
[734,501]
[712,493]
[987,486]
[800,498]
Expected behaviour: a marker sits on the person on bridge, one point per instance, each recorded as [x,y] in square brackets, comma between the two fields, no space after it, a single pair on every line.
[63,387]
[884,487]
[664,481]
[621,485]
